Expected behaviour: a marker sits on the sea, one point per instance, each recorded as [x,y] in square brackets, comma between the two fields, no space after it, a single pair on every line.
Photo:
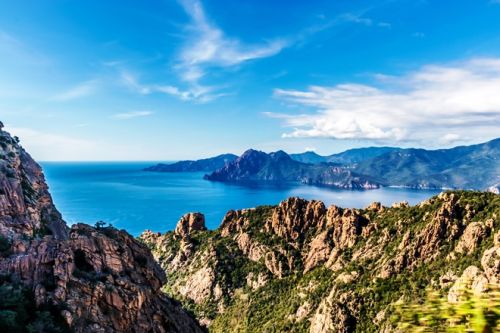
[122,194]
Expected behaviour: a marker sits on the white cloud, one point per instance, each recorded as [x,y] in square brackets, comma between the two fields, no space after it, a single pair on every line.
[81,90]
[207,47]
[131,115]
[434,105]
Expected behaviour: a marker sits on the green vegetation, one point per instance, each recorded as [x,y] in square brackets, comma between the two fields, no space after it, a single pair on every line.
[371,300]
[18,313]
[472,313]
[28,190]
[4,246]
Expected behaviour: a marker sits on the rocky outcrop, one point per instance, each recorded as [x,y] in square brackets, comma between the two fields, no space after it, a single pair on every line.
[107,281]
[472,236]
[97,279]
[26,206]
[294,216]
[189,223]
[234,221]
[319,251]
[332,316]
[304,266]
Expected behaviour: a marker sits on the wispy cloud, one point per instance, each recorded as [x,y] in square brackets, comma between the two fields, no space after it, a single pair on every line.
[207,48]
[16,50]
[359,18]
[81,90]
[350,17]
[131,115]
[197,93]
[438,104]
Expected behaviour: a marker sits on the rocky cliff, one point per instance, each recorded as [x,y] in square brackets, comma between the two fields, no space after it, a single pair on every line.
[81,279]
[304,267]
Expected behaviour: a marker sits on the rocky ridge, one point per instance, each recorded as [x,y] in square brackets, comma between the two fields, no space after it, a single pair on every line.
[279,167]
[304,267]
[91,279]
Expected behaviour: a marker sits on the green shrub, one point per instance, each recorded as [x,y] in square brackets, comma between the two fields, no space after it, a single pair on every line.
[4,245]
[472,313]
[19,314]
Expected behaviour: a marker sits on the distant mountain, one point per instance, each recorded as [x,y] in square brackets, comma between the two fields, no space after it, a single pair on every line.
[463,167]
[279,167]
[357,155]
[308,157]
[350,156]
[468,167]
[206,165]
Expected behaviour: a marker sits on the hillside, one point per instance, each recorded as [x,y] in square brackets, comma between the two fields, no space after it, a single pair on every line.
[304,267]
[466,167]
[80,279]
[205,165]
[356,155]
[308,157]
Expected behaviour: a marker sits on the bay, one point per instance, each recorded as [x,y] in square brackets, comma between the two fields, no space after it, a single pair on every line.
[122,194]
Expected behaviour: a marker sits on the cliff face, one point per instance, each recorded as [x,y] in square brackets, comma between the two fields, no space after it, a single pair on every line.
[25,204]
[304,267]
[91,279]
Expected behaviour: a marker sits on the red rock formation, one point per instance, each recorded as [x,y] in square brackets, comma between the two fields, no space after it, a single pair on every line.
[190,222]
[102,280]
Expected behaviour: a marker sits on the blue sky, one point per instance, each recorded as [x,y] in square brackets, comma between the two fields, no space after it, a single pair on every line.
[165,80]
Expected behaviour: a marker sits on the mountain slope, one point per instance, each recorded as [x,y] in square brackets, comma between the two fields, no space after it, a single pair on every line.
[465,167]
[303,267]
[79,279]
[308,157]
[357,155]
[469,167]
[206,165]
[350,156]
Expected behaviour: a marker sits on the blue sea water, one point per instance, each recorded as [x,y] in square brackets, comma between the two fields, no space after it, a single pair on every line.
[122,194]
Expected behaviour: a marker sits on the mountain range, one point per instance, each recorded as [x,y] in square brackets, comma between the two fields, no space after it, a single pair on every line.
[464,167]
[279,167]
[349,156]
